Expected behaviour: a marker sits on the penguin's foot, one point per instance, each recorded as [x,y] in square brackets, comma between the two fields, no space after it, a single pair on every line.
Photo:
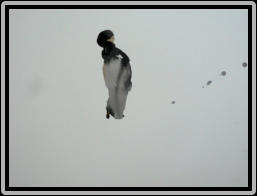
[119,117]
[107,115]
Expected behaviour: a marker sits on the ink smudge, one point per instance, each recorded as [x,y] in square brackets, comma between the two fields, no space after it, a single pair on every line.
[223,73]
[209,82]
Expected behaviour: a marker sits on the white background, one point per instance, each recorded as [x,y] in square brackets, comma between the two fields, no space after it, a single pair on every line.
[58,132]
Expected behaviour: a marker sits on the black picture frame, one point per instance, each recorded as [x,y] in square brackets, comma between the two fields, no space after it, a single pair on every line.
[11,188]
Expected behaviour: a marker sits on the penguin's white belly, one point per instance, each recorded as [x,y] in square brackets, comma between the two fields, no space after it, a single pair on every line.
[117,93]
[111,72]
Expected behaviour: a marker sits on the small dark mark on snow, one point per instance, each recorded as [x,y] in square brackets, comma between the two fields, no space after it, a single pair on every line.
[223,73]
[209,82]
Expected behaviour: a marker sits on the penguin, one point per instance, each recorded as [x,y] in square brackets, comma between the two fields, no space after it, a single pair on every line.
[117,74]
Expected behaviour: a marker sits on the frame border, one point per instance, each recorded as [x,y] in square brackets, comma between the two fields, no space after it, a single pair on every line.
[7,186]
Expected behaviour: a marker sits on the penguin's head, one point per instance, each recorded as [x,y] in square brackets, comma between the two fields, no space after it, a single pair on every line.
[104,38]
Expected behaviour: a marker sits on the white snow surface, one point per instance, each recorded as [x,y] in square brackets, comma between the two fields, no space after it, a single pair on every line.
[59,135]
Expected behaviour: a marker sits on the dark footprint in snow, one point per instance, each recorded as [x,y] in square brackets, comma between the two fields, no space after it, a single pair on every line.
[223,73]
[244,64]
[209,82]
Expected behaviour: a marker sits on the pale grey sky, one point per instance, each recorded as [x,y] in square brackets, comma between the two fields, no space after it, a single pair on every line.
[59,135]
